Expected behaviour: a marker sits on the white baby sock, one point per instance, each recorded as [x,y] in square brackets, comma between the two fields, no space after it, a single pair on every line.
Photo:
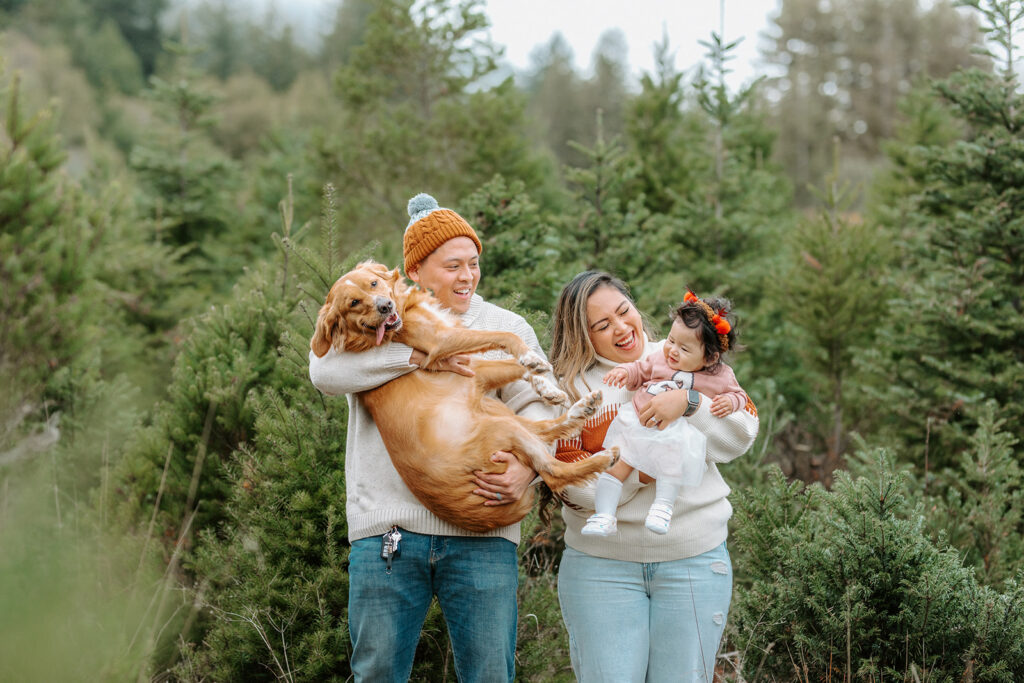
[666,493]
[606,496]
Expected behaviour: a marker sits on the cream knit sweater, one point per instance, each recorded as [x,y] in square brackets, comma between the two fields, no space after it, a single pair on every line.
[701,514]
[376,496]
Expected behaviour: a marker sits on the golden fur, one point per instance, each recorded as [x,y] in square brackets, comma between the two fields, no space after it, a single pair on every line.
[440,427]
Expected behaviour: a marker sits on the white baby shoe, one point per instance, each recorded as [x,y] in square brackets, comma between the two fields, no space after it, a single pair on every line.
[600,524]
[658,518]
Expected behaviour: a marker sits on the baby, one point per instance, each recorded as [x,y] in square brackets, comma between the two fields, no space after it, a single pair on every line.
[674,455]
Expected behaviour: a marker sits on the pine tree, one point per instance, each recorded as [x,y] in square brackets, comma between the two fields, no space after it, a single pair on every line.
[845,67]
[188,181]
[828,295]
[846,586]
[982,501]
[958,328]
[608,231]
[414,114]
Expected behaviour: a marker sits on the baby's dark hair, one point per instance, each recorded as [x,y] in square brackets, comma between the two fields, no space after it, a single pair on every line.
[699,314]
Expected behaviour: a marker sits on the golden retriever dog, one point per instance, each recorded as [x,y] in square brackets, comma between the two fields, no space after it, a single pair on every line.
[440,427]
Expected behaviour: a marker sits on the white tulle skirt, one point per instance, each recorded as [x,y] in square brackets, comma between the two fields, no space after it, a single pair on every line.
[676,454]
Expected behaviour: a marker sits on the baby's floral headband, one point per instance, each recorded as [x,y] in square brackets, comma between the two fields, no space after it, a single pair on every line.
[716,318]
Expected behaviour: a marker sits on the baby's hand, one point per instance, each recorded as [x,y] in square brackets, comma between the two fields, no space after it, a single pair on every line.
[721,406]
[616,377]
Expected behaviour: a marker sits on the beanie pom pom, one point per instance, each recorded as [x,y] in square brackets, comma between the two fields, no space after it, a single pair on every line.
[422,203]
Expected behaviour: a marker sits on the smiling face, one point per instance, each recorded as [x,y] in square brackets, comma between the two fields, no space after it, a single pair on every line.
[683,348]
[451,272]
[614,325]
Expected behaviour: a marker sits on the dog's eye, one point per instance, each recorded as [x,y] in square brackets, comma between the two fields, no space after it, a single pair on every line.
[373,284]
[355,302]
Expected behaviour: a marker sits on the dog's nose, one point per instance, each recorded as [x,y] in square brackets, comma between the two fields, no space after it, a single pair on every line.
[385,306]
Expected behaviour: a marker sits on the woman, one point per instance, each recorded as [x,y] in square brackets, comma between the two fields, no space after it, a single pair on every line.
[640,606]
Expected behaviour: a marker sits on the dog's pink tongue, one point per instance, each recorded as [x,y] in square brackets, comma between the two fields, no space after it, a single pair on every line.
[381,329]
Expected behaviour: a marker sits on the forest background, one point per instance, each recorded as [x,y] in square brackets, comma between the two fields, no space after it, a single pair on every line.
[179,189]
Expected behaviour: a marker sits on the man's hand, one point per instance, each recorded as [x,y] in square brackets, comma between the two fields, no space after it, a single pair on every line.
[459,364]
[616,377]
[721,406]
[664,409]
[507,487]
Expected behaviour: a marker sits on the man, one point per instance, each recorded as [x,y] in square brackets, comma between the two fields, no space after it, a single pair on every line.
[474,576]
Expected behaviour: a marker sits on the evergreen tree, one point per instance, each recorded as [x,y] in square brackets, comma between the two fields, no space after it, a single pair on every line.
[846,65]
[958,337]
[410,118]
[847,586]
[661,137]
[190,182]
[564,103]
[608,232]
[239,380]
[346,33]
[555,98]
[982,500]
[829,296]
[139,22]
[81,273]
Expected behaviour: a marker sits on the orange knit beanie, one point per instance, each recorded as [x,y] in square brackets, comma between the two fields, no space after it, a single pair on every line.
[429,227]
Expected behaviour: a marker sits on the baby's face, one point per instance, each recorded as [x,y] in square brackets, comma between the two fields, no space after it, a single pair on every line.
[683,348]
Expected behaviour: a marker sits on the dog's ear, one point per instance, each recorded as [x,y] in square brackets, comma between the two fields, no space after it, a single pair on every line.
[328,323]
[394,277]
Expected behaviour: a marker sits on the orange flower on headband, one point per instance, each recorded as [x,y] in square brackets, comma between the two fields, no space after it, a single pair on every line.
[689,296]
[722,325]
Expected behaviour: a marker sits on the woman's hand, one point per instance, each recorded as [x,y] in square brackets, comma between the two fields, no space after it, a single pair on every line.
[507,487]
[459,364]
[664,409]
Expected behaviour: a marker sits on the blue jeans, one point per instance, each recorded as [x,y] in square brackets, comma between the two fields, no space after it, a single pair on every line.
[475,581]
[631,622]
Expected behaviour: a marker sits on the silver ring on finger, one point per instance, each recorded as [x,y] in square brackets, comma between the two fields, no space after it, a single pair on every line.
[497,496]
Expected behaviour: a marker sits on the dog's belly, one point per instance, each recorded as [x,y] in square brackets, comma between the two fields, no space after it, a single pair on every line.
[425,415]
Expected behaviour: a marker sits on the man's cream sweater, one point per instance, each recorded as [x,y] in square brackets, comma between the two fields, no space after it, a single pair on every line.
[701,514]
[376,496]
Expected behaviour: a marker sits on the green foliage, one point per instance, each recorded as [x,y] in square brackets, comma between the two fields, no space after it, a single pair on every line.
[847,586]
[210,408]
[844,68]
[829,296]
[413,114]
[563,103]
[608,231]
[981,500]
[958,332]
[274,580]
[81,276]
[523,252]
[139,23]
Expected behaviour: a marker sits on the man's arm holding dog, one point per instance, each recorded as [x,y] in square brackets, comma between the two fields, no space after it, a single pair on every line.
[338,372]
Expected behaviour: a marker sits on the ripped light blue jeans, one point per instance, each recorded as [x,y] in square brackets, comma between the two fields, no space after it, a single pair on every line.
[647,622]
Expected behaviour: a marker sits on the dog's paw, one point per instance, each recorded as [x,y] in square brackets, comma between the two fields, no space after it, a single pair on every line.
[612,453]
[548,390]
[534,362]
[586,406]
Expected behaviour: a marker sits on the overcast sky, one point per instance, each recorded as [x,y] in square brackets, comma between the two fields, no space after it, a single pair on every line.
[522,25]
